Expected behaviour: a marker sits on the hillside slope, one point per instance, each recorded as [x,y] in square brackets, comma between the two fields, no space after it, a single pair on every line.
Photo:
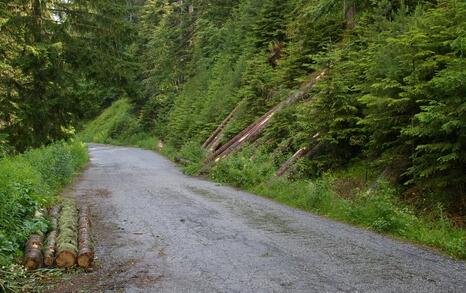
[354,110]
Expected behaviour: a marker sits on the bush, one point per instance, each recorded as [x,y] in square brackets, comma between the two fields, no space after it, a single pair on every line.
[194,154]
[27,183]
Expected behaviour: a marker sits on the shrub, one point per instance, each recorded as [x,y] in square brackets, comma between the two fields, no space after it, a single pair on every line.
[244,169]
[194,154]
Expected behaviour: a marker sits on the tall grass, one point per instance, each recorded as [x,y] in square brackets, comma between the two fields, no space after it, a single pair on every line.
[29,182]
[119,126]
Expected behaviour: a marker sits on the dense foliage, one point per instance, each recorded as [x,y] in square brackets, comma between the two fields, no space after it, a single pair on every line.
[28,182]
[60,61]
[394,95]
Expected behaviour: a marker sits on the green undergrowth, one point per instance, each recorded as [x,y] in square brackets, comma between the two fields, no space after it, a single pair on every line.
[29,182]
[345,196]
[118,125]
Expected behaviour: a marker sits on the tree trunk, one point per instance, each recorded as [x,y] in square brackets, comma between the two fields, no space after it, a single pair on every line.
[51,241]
[33,256]
[215,136]
[350,12]
[286,166]
[86,248]
[67,237]
[254,130]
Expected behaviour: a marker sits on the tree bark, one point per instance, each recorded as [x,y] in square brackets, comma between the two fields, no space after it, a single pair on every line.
[286,166]
[86,247]
[51,240]
[215,136]
[33,257]
[253,131]
[67,237]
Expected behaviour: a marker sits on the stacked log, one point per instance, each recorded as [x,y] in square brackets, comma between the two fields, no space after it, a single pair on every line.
[51,240]
[86,248]
[68,242]
[33,257]
[67,238]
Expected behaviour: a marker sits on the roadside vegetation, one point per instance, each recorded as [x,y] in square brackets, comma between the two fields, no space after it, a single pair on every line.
[28,183]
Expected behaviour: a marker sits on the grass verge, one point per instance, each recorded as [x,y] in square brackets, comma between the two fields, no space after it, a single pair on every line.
[380,209]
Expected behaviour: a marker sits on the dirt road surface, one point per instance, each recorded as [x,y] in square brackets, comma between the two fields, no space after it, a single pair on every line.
[158,230]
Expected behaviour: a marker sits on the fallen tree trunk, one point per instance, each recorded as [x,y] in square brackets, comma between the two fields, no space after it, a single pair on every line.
[86,247]
[51,240]
[67,237]
[286,166]
[240,137]
[316,150]
[253,131]
[33,256]
[214,138]
[301,153]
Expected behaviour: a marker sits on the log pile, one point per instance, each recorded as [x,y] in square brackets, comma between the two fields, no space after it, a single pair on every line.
[68,241]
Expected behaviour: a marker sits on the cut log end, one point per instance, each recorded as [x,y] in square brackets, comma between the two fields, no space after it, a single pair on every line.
[66,259]
[33,255]
[85,260]
[33,259]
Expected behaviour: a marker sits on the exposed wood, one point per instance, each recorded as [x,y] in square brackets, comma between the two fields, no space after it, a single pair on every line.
[67,237]
[245,135]
[86,247]
[302,152]
[253,131]
[33,257]
[286,166]
[51,240]
[316,150]
[50,248]
[215,137]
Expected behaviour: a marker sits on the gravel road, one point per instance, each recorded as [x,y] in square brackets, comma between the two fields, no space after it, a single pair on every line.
[158,230]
